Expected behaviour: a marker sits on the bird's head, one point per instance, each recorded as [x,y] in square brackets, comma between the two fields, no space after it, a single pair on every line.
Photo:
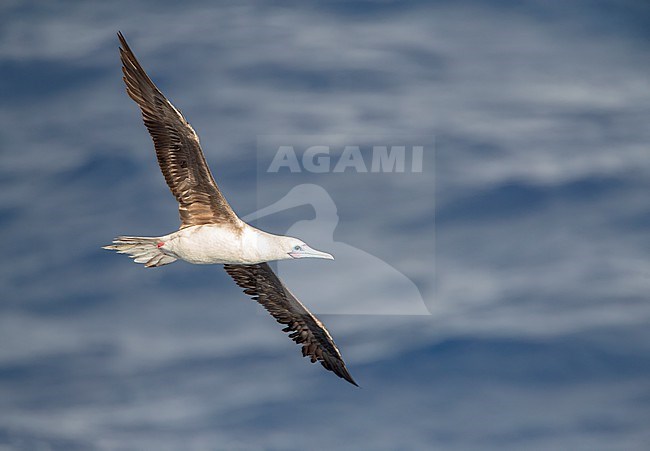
[296,248]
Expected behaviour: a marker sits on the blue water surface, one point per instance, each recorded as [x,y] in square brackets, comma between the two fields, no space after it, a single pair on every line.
[527,231]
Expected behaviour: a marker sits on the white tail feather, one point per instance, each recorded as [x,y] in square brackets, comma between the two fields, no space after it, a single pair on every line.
[141,250]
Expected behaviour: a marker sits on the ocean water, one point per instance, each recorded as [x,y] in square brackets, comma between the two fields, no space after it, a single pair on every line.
[525,237]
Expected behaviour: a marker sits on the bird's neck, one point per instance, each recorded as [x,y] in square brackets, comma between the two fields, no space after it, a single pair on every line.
[260,246]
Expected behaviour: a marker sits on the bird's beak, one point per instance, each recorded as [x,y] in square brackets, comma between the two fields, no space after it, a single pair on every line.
[308,252]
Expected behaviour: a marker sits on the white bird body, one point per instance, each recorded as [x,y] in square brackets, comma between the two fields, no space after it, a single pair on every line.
[207,244]
[217,243]
[210,244]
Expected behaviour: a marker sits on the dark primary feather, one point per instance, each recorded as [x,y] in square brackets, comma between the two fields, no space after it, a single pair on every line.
[260,282]
[178,150]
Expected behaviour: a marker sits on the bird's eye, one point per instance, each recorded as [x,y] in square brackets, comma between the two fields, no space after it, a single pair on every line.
[297,248]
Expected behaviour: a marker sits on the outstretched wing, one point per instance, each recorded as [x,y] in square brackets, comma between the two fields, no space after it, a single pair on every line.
[178,150]
[260,282]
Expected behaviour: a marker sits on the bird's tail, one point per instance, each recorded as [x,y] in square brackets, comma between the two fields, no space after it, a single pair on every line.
[142,250]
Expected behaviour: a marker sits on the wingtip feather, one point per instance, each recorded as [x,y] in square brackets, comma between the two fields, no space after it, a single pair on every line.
[343,373]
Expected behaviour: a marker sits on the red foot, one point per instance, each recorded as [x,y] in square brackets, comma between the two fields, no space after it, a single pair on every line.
[161,244]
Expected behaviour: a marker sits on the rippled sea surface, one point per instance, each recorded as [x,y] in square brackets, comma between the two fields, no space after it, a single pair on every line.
[534,266]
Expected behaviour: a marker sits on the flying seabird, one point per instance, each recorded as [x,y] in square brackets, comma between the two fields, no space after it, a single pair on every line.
[210,231]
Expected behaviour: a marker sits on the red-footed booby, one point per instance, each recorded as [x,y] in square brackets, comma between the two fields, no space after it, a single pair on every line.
[210,231]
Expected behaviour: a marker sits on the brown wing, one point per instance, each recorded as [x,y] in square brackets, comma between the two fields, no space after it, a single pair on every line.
[260,282]
[178,150]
